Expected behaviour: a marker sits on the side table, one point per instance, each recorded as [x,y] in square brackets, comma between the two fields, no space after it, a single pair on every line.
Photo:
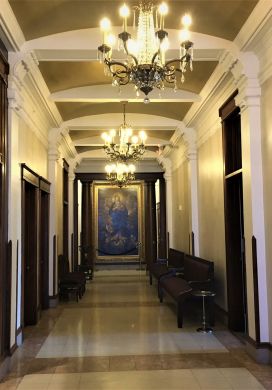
[202,293]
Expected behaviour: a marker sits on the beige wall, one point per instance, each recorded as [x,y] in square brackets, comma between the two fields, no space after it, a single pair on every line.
[267,174]
[32,152]
[180,201]
[211,211]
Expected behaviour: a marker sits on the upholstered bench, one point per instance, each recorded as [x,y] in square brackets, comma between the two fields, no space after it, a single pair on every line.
[161,267]
[178,289]
[198,274]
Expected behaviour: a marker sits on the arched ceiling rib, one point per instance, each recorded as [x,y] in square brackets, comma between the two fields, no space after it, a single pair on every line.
[222,18]
[62,75]
[73,110]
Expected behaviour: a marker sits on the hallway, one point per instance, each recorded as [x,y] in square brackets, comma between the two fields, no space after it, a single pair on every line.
[120,337]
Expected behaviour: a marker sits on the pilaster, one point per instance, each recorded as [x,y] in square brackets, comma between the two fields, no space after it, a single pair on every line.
[190,139]
[14,213]
[71,178]
[254,223]
[166,162]
[53,161]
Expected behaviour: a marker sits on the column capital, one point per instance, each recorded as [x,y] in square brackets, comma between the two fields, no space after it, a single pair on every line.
[15,101]
[249,93]
[168,177]
[18,68]
[53,153]
[190,138]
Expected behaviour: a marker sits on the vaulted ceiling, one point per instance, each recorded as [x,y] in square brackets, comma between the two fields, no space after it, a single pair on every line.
[83,93]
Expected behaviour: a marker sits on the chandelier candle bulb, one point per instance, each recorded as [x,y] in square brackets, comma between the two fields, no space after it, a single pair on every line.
[134,139]
[105,25]
[124,12]
[186,20]
[163,10]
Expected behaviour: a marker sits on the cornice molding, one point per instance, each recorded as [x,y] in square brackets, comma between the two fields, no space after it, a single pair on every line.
[13,35]
[254,24]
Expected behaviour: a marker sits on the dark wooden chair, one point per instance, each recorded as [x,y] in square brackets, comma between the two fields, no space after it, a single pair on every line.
[70,281]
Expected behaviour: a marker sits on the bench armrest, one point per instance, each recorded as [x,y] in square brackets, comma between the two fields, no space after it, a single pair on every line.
[162,261]
[169,274]
[200,285]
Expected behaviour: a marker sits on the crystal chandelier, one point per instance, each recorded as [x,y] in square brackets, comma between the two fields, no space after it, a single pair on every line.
[129,147]
[120,174]
[145,65]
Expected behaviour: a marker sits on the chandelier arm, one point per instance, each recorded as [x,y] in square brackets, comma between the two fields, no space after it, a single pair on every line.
[180,60]
[129,54]
[112,63]
[154,57]
[169,71]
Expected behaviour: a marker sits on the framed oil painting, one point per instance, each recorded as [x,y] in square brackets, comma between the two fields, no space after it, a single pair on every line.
[118,215]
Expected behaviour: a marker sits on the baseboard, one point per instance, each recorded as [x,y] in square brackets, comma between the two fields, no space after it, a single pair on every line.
[53,301]
[13,349]
[19,336]
[261,352]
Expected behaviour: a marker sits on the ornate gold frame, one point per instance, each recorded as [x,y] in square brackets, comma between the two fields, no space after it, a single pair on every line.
[139,187]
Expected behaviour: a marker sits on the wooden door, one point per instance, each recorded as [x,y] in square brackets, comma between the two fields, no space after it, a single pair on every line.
[44,250]
[236,275]
[5,257]
[30,258]
[234,219]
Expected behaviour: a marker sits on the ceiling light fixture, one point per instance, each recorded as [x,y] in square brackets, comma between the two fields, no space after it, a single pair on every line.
[129,147]
[120,174]
[145,65]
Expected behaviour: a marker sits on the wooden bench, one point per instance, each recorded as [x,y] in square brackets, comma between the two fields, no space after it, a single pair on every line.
[162,267]
[198,274]
[178,289]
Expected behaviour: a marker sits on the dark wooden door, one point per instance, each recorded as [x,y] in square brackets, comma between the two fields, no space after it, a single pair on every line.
[236,274]
[44,250]
[30,242]
[5,255]
[234,219]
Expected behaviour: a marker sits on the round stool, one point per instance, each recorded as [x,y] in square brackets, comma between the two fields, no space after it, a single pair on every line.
[202,293]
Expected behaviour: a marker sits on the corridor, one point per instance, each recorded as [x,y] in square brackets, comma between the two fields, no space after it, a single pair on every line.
[120,337]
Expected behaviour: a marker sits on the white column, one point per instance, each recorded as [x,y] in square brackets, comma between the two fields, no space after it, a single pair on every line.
[14,211]
[53,156]
[169,205]
[71,177]
[254,224]
[190,140]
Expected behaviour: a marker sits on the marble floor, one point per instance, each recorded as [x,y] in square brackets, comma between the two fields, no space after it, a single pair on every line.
[120,337]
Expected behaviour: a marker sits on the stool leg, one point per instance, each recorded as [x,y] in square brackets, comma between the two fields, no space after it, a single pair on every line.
[204,328]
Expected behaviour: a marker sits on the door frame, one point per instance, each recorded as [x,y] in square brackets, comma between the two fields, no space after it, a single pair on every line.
[30,177]
[44,212]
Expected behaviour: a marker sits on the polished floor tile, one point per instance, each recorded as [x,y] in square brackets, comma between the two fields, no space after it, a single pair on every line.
[120,337]
[206,379]
[137,329]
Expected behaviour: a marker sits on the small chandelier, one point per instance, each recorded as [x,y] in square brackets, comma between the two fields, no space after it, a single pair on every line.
[130,147]
[145,65]
[120,174]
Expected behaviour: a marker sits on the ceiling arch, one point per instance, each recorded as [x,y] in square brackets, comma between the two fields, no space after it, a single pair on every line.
[222,18]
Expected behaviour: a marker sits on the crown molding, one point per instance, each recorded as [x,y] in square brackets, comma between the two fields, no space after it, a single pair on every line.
[13,35]
[254,24]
